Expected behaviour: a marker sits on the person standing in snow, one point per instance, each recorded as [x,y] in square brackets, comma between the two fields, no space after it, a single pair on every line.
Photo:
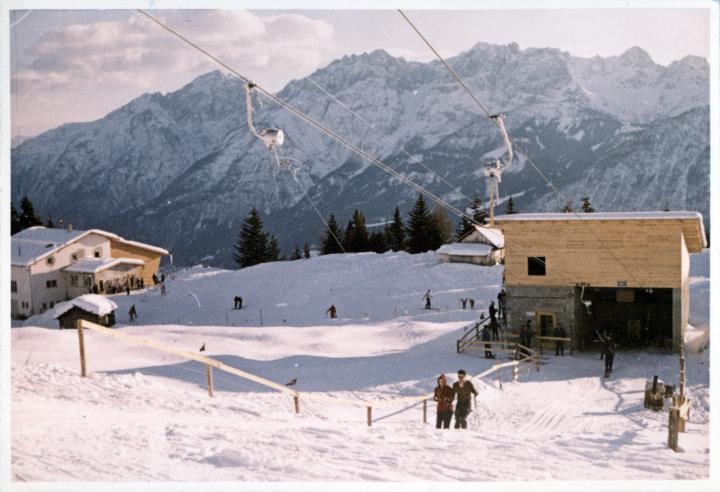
[132,313]
[462,389]
[485,337]
[154,279]
[162,278]
[494,329]
[608,353]
[162,289]
[444,397]
[427,298]
[332,311]
[472,303]
[464,303]
[502,306]
[491,310]
[560,344]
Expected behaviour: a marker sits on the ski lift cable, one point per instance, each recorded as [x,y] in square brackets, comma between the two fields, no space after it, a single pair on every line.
[386,138]
[509,140]
[331,133]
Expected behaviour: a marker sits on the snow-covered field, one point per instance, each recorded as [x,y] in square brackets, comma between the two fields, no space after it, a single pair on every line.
[146,416]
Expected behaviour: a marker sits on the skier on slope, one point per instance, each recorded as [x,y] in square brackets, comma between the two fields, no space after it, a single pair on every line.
[608,353]
[427,298]
[332,311]
[444,397]
[132,313]
[462,389]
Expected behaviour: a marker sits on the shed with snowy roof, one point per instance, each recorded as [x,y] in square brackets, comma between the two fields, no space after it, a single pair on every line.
[483,246]
[90,307]
[625,273]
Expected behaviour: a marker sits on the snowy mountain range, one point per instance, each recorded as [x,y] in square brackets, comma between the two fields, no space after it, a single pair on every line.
[181,170]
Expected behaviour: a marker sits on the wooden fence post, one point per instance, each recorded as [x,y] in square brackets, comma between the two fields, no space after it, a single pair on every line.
[81,338]
[457,346]
[537,363]
[296,398]
[208,370]
[424,411]
[515,372]
[673,428]
[369,416]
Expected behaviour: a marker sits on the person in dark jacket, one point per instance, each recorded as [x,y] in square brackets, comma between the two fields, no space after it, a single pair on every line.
[132,314]
[560,344]
[332,311]
[444,397]
[494,329]
[485,337]
[427,298]
[608,353]
[491,310]
[462,389]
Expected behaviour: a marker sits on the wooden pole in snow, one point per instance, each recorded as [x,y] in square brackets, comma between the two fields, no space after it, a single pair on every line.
[369,416]
[673,428]
[296,399]
[81,338]
[208,369]
[424,411]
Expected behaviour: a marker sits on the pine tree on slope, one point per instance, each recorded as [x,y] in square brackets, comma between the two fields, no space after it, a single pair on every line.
[419,227]
[253,246]
[395,234]
[332,239]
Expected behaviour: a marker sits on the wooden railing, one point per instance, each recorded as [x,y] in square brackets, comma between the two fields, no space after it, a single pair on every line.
[530,355]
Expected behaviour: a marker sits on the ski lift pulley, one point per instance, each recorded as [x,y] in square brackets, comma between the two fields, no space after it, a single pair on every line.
[271,137]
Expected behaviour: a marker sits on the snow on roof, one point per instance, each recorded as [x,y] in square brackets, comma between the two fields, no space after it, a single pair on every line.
[35,243]
[492,235]
[94,265]
[466,249]
[92,303]
[601,216]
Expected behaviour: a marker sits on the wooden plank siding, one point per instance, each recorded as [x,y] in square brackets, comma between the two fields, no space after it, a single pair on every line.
[597,252]
[151,258]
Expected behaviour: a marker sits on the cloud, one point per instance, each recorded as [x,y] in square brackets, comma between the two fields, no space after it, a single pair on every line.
[136,51]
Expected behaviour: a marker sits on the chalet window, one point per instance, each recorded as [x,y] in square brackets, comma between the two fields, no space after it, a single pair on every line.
[52,304]
[87,281]
[13,286]
[536,265]
[44,306]
[51,260]
[51,284]
[97,253]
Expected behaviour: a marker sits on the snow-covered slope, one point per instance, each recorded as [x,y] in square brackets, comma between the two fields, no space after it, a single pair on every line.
[181,169]
[142,415]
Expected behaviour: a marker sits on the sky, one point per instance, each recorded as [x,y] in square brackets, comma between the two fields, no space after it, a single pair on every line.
[78,65]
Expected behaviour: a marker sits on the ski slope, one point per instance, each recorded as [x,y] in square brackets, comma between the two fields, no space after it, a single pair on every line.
[142,415]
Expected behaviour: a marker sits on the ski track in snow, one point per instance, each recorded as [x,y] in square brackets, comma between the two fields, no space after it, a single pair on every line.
[145,416]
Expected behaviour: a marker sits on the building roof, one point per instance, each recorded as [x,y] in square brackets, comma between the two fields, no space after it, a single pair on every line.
[92,303]
[35,243]
[693,228]
[466,249]
[95,265]
[490,235]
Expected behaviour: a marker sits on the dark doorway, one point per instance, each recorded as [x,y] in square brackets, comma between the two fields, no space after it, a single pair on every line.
[634,317]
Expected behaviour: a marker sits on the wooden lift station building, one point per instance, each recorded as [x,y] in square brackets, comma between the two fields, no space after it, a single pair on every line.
[622,273]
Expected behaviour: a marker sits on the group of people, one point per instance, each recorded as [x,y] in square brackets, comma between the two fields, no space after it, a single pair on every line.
[464,302]
[457,394]
[160,280]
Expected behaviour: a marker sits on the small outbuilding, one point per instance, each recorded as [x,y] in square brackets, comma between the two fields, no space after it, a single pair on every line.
[90,307]
[483,246]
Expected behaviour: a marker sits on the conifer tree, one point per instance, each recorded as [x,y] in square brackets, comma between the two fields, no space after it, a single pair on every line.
[296,254]
[253,245]
[15,225]
[419,227]
[356,234]
[395,232]
[332,240]
[510,208]
[377,242]
[586,207]
[50,224]
[306,251]
[273,250]
[28,217]
[440,229]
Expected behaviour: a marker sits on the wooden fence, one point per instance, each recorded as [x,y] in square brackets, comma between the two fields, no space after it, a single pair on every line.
[530,355]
